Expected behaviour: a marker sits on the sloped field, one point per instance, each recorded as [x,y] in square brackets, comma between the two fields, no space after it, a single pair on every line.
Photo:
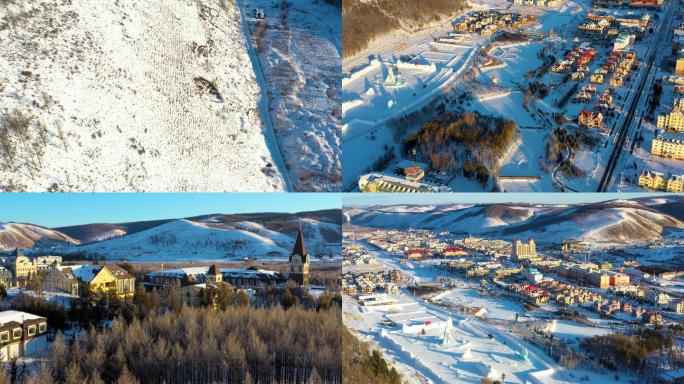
[129,95]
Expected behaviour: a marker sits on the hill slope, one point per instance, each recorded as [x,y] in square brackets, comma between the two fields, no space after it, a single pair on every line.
[207,237]
[618,221]
[19,235]
[105,95]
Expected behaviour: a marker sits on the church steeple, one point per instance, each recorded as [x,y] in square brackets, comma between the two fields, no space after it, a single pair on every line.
[299,260]
[300,246]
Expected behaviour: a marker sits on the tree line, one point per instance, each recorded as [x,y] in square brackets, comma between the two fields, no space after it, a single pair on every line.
[360,365]
[275,335]
[364,21]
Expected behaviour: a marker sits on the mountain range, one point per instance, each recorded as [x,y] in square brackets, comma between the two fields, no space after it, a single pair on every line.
[207,237]
[608,222]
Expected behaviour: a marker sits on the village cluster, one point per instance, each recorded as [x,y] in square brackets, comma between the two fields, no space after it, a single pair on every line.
[668,139]
[444,61]
[486,23]
[48,276]
[521,273]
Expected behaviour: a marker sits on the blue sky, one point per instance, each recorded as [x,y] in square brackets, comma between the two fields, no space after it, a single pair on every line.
[63,209]
[361,199]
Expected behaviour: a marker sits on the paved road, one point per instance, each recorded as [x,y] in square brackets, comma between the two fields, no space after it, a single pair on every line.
[663,30]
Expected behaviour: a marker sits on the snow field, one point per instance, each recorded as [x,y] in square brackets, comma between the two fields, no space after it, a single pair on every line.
[116,86]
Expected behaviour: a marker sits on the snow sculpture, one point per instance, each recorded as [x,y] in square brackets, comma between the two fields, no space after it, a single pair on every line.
[447,339]
[523,354]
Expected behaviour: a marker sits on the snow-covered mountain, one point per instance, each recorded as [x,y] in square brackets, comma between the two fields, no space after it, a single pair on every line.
[617,221]
[20,235]
[130,95]
[265,236]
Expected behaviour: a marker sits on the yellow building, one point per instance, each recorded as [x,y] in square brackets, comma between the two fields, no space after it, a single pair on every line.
[675,183]
[679,67]
[522,251]
[598,279]
[675,119]
[661,182]
[97,278]
[668,147]
[652,180]
[24,267]
[597,78]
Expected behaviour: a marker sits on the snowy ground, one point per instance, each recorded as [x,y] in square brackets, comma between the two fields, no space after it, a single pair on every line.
[118,98]
[299,49]
[185,240]
[368,102]
[470,353]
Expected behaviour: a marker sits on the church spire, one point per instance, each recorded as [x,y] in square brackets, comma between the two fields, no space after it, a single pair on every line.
[300,245]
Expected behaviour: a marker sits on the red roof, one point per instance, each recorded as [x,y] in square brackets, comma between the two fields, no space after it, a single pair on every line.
[417,251]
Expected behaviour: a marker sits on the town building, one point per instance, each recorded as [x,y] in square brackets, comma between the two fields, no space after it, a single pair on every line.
[240,278]
[74,279]
[623,41]
[21,334]
[454,252]
[378,182]
[533,275]
[661,298]
[590,119]
[667,146]
[6,277]
[679,65]
[522,251]
[674,120]
[24,267]
[661,182]
[410,170]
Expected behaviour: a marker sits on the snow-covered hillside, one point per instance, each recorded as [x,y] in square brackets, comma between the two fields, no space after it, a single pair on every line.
[18,235]
[129,95]
[299,44]
[190,240]
[265,236]
[619,221]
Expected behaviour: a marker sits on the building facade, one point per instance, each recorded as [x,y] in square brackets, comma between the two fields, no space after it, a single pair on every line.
[74,279]
[21,334]
[522,251]
[661,182]
[668,147]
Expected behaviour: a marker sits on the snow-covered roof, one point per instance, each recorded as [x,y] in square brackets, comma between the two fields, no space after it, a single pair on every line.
[248,272]
[194,271]
[85,272]
[180,272]
[16,316]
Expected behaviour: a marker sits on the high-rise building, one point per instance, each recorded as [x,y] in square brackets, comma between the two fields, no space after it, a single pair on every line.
[522,251]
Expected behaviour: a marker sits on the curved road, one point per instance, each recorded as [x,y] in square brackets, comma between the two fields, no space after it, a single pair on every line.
[269,132]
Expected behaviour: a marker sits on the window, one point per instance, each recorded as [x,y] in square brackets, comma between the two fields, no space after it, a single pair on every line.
[16,333]
[31,330]
[4,337]
[42,327]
